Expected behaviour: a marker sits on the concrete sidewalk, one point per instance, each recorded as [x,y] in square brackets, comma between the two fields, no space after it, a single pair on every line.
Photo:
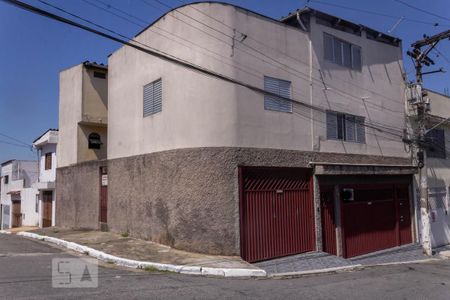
[136,253]
[321,261]
[141,250]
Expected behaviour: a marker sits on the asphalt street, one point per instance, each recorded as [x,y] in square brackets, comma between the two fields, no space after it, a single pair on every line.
[26,273]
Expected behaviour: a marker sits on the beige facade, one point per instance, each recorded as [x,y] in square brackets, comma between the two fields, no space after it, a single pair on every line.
[173,168]
[200,111]
[83,109]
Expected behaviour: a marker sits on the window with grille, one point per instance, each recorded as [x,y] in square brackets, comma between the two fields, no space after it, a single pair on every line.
[48,161]
[345,127]
[6,179]
[341,52]
[280,88]
[153,98]
[436,143]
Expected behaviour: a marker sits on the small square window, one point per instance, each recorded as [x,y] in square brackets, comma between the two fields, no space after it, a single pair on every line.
[278,87]
[100,75]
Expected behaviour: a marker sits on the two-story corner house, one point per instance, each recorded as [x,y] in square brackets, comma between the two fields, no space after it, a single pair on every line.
[18,198]
[46,145]
[438,167]
[298,150]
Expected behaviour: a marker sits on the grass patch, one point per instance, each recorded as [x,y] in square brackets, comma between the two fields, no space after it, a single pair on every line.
[124,234]
[155,270]
[110,262]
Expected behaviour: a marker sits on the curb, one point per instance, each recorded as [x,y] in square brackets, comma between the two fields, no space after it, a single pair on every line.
[136,264]
[317,272]
[5,232]
[402,262]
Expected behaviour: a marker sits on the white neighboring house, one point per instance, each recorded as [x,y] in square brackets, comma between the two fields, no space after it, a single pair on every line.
[18,197]
[438,162]
[45,184]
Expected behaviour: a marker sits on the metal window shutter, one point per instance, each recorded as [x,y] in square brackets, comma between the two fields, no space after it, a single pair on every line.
[360,130]
[157,96]
[350,128]
[152,100]
[332,125]
[278,87]
[337,48]
[437,139]
[347,54]
[328,47]
[356,57]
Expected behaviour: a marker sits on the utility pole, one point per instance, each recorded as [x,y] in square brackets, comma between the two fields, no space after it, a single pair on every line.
[421,58]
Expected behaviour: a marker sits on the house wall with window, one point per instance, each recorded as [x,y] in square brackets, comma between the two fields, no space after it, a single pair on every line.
[17,178]
[438,167]
[177,138]
[199,111]
[82,111]
[45,201]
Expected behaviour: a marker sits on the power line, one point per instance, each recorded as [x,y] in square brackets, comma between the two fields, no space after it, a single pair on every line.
[369,103]
[272,48]
[398,130]
[423,10]
[170,58]
[441,55]
[14,139]
[379,14]
[286,66]
[14,144]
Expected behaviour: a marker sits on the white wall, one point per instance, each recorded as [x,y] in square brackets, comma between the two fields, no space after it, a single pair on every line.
[30,217]
[439,175]
[47,175]
[200,111]
[70,107]
[27,171]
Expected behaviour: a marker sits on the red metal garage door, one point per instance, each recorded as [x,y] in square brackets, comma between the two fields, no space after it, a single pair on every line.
[377,218]
[277,216]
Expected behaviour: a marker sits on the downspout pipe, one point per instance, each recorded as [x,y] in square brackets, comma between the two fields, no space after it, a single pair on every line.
[300,22]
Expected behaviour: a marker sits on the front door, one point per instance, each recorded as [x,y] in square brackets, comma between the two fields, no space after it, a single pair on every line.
[404,214]
[328,219]
[16,214]
[375,217]
[47,208]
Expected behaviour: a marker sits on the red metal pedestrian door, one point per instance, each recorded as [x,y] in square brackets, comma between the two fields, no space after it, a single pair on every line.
[103,216]
[376,218]
[328,219]
[277,215]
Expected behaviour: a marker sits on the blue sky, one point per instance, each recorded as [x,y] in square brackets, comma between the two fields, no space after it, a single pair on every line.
[33,50]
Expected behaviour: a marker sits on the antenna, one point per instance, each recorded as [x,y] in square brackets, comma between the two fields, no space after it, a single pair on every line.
[396,24]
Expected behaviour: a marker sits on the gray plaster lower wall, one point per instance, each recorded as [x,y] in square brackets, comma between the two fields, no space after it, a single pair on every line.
[78,194]
[185,198]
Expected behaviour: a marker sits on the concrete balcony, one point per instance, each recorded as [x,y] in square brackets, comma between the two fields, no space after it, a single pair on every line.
[44,185]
